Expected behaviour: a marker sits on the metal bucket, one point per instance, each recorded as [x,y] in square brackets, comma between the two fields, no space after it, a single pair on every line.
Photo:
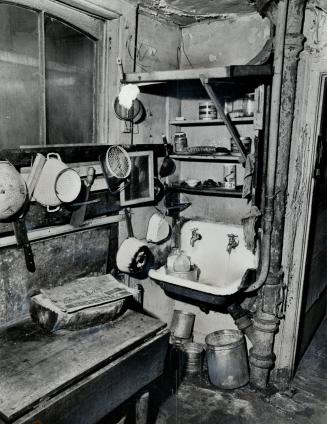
[227,359]
[182,324]
[192,358]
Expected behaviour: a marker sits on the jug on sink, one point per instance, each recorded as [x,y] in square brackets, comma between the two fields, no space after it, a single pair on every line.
[182,262]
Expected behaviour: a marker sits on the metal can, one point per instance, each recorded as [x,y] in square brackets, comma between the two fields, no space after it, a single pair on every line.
[180,141]
[229,172]
[207,111]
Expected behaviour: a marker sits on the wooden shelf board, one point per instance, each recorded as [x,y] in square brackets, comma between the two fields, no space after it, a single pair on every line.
[212,158]
[216,191]
[188,122]
[212,74]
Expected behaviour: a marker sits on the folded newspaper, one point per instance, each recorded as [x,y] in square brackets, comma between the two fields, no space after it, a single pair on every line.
[82,302]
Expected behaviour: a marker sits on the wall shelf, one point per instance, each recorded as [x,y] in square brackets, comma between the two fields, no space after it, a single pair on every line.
[203,122]
[212,74]
[206,191]
[210,158]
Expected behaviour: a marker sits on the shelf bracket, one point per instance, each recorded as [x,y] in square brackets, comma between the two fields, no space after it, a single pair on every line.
[226,119]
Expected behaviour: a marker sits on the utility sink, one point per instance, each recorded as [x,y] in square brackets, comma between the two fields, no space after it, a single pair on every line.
[226,267]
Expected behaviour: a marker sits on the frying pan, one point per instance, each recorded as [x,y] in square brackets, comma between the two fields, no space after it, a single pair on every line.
[168,166]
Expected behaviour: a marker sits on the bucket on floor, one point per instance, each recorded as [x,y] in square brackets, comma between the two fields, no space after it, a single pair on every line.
[192,358]
[182,324]
[227,359]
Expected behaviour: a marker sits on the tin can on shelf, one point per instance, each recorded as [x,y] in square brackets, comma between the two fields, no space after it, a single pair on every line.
[246,143]
[207,111]
[180,141]
[229,173]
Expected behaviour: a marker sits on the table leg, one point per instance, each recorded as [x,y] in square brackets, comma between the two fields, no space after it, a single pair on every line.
[141,409]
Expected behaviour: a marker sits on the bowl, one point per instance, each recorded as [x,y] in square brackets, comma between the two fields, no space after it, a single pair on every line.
[192,182]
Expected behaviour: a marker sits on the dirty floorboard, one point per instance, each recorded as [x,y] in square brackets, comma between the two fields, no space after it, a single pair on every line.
[197,402]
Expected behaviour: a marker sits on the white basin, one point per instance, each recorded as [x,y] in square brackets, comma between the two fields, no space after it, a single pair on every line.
[221,272]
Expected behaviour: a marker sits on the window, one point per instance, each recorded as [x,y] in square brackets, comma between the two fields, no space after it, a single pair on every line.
[49,72]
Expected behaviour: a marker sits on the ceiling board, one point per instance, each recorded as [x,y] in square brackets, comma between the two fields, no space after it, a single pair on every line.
[184,12]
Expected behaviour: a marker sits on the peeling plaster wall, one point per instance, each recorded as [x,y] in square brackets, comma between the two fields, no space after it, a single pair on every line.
[234,40]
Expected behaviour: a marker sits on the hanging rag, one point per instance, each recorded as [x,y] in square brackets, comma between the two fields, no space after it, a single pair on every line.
[249,228]
[248,177]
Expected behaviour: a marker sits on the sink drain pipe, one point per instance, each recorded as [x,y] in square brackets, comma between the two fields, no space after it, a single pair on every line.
[261,330]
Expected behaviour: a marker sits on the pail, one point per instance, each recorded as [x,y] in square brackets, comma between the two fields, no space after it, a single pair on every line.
[182,324]
[227,359]
[192,358]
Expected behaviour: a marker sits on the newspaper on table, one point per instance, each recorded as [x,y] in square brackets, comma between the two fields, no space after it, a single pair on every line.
[87,292]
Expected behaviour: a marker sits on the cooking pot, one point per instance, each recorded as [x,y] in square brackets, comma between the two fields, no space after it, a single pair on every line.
[45,190]
[13,191]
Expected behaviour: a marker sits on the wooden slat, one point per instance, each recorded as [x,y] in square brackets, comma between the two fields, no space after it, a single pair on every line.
[219,191]
[203,122]
[204,158]
[44,233]
[72,153]
[35,365]
[210,73]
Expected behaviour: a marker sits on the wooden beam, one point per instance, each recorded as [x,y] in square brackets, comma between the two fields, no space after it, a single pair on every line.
[44,233]
[72,153]
[226,119]
[222,72]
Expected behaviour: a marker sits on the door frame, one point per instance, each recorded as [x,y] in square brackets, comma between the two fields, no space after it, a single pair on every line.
[312,78]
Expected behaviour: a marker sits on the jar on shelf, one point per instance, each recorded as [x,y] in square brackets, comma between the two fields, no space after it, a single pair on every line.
[248,104]
[180,142]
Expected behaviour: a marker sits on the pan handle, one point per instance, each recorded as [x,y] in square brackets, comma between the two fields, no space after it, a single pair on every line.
[165,142]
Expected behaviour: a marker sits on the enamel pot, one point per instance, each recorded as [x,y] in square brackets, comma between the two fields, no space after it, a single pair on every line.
[45,190]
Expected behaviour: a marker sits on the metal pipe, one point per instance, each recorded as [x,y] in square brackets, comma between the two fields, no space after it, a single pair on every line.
[273,141]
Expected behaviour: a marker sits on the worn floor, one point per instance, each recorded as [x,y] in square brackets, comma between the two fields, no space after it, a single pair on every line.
[197,402]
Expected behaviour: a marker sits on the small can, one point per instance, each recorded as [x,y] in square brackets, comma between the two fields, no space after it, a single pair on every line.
[180,141]
[207,111]
[229,172]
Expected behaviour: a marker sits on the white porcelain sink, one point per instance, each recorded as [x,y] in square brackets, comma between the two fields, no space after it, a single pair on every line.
[221,273]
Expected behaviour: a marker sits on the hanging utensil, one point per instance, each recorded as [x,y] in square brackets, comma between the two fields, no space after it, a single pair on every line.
[78,216]
[116,167]
[168,166]
[134,257]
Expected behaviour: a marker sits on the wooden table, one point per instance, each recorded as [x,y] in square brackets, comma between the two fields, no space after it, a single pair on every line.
[79,376]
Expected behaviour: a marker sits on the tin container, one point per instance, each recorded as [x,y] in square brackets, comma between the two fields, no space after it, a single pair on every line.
[246,141]
[182,324]
[229,173]
[227,359]
[207,111]
[192,358]
[180,141]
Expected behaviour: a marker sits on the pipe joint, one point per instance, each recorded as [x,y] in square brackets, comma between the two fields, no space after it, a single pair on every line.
[265,325]
[262,361]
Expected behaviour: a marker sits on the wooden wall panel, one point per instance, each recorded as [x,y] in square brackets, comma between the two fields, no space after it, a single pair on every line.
[57,261]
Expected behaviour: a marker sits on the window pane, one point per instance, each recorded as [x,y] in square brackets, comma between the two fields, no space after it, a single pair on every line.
[19,77]
[70,68]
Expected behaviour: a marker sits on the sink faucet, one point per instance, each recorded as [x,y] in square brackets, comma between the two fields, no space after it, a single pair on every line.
[232,242]
[195,236]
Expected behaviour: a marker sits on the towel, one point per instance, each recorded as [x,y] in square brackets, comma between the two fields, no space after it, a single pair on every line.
[248,177]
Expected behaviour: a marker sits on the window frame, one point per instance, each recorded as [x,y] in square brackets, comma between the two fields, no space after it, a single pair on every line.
[97,27]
